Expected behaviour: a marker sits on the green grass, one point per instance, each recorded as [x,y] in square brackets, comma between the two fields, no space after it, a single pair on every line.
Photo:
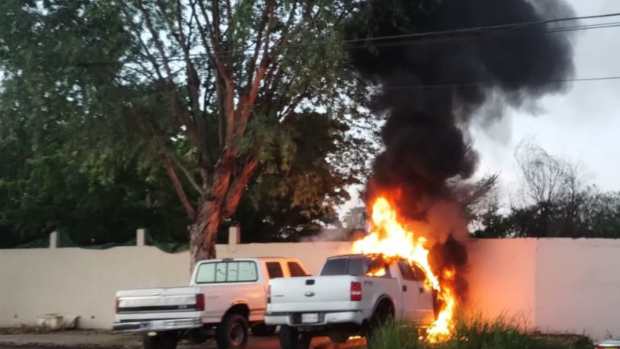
[471,334]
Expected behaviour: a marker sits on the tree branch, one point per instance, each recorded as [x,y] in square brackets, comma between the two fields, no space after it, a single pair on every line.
[191,212]
[178,187]
[224,83]
[158,44]
[187,173]
[237,187]
[257,45]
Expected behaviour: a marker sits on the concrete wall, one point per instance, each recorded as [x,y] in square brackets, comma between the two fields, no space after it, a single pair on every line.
[502,279]
[578,286]
[74,281]
[554,285]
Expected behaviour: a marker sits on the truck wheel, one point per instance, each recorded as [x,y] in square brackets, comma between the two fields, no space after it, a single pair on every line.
[382,315]
[290,338]
[163,340]
[338,337]
[232,332]
[262,330]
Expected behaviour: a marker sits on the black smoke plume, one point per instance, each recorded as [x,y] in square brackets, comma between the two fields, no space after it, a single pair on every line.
[432,87]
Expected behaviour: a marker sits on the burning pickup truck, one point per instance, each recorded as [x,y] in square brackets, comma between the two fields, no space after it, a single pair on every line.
[352,295]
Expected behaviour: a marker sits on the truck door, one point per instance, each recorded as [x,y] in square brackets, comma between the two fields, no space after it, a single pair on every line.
[409,291]
[426,299]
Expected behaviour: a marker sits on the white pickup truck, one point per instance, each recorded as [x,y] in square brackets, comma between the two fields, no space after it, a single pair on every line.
[225,297]
[344,301]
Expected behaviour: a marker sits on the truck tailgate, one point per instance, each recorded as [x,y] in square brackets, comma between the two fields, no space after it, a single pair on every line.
[158,304]
[311,294]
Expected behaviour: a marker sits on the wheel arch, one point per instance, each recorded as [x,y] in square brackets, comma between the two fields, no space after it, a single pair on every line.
[383,299]
[240,308]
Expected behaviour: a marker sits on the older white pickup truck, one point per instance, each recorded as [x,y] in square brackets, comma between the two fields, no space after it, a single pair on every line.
[344,301]
[225,298]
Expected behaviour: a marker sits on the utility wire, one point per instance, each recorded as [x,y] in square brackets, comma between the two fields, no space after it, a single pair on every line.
[513,26]
[439,86]
[482,33]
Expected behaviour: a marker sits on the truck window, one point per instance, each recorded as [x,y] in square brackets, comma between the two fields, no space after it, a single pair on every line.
[419,273]
[337,266]
[275,270]
[296,270]
[222,272]
[358,266]
[406,271]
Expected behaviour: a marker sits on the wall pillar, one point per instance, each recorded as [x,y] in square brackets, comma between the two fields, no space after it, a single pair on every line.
[54,243]
[234,238]
[141,237]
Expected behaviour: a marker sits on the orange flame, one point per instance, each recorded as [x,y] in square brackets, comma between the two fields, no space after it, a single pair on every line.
[391,238]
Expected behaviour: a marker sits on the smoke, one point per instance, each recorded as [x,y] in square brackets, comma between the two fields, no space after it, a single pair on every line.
[432,88]
[451,255]
[426,135]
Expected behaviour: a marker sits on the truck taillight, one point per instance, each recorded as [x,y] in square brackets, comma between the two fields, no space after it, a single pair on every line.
[356,291]
[268,293]
[118,306]
[200,302]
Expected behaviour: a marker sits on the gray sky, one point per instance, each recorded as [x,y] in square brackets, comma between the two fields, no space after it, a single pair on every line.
[581,125]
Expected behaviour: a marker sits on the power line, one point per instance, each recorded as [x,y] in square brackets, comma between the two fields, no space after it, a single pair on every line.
[440,86]
[507,30]
[491,36]
[513,26]
[488,36]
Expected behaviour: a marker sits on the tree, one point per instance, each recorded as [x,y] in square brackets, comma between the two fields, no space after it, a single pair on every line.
[46,186]
[555,200]
[554,196]
[355,218]
[211,86]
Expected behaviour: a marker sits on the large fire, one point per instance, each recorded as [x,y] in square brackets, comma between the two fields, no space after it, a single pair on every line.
[391,238]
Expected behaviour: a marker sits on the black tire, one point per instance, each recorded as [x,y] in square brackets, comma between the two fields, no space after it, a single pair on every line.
[163,340]
[232,332]
[290,338]
[382,315]
[339,337]
[262,330]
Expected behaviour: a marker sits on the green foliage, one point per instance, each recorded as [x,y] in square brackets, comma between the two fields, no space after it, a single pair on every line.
[85,117]
[405,335]
[474,334]
[299,187]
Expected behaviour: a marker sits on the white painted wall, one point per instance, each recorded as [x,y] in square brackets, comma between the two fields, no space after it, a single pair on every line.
[82,282]
[558,285]
[502,279]
[578,286]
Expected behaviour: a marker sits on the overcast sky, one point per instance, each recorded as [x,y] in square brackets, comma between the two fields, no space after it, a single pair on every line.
[582,125]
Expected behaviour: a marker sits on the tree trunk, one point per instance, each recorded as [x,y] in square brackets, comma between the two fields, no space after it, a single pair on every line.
[203,234]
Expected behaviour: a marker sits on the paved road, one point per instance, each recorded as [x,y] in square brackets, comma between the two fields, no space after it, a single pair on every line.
[84,340]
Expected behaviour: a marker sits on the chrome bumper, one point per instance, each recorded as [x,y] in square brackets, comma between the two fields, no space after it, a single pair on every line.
[157,325]
[325,318]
